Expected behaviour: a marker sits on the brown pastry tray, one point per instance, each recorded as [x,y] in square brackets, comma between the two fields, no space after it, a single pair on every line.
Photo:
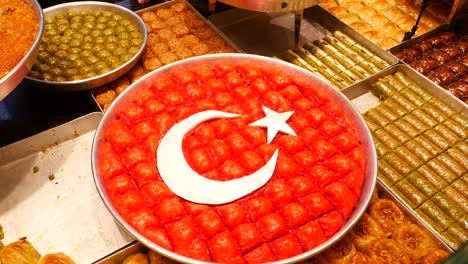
[364,100]
[270,34]
[119,256]
[429,34]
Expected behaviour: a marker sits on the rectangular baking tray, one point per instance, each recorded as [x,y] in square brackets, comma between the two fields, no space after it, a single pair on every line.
[213,27]
[195,11]
[359,93]
[270,34]
[456,28]
[119,256]
[364,100]
[56,206]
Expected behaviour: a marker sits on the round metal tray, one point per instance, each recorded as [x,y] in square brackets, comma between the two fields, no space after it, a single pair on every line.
[86,84]
[9,82]
[336,96]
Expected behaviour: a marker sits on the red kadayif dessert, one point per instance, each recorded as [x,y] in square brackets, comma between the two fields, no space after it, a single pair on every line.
[294,157]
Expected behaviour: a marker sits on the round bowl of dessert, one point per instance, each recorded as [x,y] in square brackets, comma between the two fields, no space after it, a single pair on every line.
[234,158]
[86,45]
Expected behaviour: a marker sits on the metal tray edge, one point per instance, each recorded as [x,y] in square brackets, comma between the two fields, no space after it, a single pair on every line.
[363,86]
[328,21]
[419,38]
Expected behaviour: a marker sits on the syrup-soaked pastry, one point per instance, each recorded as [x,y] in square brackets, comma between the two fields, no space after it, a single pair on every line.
[393,13]
[414,240]
[386,43]
[458,89]
[424,46]
[364,12]
[436,214]
[464,78]
[434,257]
[352,5]
[337,11]
[377,20]
[387,214]
[439,56]
[416,179]
[447,206]
[464,60]
[350,18]
[365,232]
[462,45]
[406,22]
[442,76]
[448,37]
[371,34]
[453,51]
[411,193]
[457,68]
[340,251]
[390,29]
[408,55]
[360,26]
[424,66]
[388,251]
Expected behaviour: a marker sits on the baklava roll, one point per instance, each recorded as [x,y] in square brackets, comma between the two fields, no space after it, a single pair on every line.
[424,142]
[436,214]
[416,179]
[463,221]
[379,62]
[347,40]
[385,139]
[407,156]
[458,232]
[418,150]
[389,172]
[424,117]
[462,45]
[437,139]
[424,65]
[400,76]
[430,222]
[455,197]
[429,175]
[412,193]
[441,170]
[398,164]
[447,206]
[406,128]
[460,158]
[378,118]
[433,113]
[453,51]
[420,92]
[458,89]
[382,90]
[397,134]
[425,46]
[371,124]
[451,164]
[412,97]
[408,55]
[416,123]
[381,149]
[400,111]
[443,108]
[403,102]
[387,112]
[451,137]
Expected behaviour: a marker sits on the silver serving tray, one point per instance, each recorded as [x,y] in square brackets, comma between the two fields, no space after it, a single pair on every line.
[86,84]
[270,34]
[358,89]
[288,68]
[119,256]
[9,82]
[360,95]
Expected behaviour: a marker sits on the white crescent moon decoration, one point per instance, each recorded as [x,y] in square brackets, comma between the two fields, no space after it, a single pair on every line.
[188,184]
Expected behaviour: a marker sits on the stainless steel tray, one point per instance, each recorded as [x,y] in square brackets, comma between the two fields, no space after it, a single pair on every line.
[462,30]
[361,89]
[118,256]
[195,11]
[364,100]
[270,34]
[56,206]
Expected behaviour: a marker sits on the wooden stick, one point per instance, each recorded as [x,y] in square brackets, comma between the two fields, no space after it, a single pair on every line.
[456,7]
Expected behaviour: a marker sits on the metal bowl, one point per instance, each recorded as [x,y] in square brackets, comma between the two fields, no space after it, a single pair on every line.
[336,96]
[86,84]
[9,82]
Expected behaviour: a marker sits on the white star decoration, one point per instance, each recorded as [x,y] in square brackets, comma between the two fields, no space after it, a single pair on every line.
[274,122]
